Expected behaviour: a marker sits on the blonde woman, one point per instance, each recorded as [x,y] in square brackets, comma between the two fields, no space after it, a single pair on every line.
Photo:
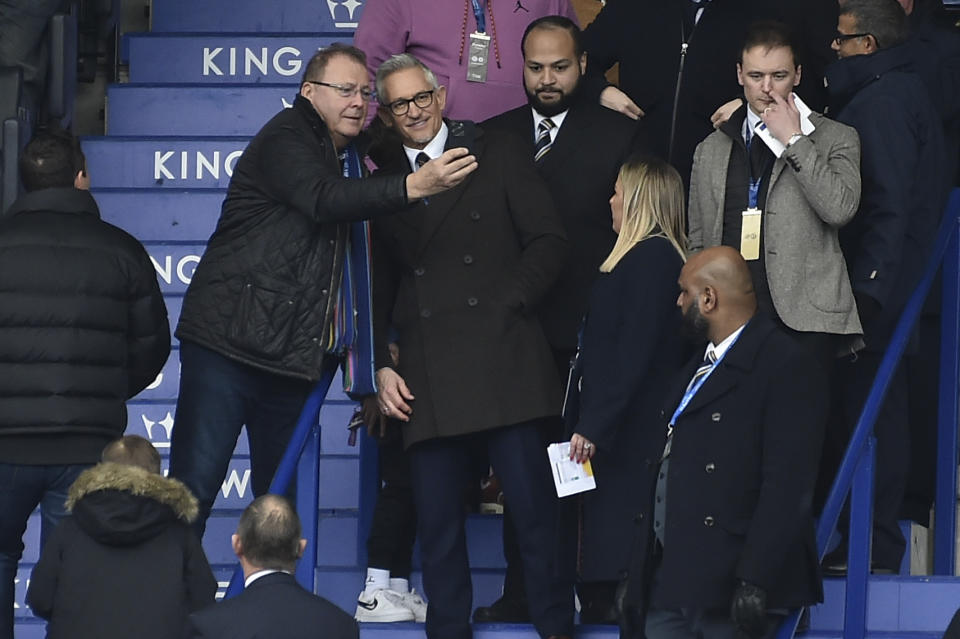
[631,349]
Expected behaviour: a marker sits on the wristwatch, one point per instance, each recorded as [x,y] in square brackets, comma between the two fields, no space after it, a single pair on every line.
[793,138]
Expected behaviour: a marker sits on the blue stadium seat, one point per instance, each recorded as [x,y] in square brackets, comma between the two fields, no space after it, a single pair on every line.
[15,131]
[62,72]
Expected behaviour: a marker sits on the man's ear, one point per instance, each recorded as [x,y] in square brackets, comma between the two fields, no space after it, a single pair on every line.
[81,180]
[740,74]
[796,80]
[441,97]
[301,547]
[708,299]
[236,545]
[583,63]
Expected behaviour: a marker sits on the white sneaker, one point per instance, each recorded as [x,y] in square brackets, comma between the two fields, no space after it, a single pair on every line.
[383,606]
[414,602]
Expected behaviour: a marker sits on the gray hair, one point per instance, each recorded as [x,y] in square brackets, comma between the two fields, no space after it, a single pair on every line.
[885,20]
[400,62]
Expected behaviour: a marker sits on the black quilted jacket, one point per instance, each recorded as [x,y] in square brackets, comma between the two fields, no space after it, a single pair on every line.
[263,293]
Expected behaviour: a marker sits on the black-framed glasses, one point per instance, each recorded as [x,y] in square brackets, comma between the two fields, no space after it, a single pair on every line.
[347,90]
[422,100]
[843,37]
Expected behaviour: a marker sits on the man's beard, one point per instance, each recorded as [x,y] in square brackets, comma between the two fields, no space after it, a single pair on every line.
[553,108]
[694,326]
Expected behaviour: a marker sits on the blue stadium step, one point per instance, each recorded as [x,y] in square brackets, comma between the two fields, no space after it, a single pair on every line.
[174,163]
[328,17]
[171,58]
[184,110]
[160,215]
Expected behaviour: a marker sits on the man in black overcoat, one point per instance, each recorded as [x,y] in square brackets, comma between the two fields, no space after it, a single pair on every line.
[272,604]
[729,531]
[460,276]
[588,143]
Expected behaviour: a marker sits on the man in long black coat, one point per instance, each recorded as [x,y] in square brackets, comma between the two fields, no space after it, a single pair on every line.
[729,531]
[588,145]
[460,276]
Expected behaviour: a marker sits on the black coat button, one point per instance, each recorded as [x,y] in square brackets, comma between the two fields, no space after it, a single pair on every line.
[419,271]
[638,518]
[708,521]
[709,468]
[715,417]
[474,215]
[472,301]
[425,313]
[468,259]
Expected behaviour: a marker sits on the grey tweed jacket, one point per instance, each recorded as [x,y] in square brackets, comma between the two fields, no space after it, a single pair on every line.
[814,189]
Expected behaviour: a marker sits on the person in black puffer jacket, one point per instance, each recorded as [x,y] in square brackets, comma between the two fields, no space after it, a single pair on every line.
[83,328]
[125,563]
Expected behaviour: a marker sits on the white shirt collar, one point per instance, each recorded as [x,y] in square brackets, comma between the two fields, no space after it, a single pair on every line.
[720,349]
[434,148]
[750,122]
[260,573]
[556,119]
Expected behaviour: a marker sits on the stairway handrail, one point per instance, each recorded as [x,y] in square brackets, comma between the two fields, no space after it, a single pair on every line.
[861,440]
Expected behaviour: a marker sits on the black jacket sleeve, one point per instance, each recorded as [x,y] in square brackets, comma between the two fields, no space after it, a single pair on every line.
[295,170]
[148,329]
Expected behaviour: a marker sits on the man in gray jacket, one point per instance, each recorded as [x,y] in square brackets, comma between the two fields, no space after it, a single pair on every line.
[782,213]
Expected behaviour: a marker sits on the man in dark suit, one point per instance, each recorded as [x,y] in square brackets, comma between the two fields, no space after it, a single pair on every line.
[579,161]
[273,604]
[460,276]
[729,533]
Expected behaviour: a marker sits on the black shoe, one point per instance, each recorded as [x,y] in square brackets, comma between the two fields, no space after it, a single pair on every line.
[835,564]
[503,610]
[599,612]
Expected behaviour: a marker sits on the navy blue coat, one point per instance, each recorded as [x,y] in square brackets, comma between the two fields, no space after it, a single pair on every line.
[742,470]
[631,351]
[274,606]
[904,179]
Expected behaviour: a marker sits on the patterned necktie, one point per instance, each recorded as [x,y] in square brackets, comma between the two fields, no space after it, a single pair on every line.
[543,139]
[708,363]
[422,158]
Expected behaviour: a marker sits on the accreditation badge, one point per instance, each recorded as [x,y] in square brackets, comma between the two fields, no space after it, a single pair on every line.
[750,234]
[479,57]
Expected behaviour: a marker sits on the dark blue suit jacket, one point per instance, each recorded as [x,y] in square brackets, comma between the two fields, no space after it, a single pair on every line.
[273,607]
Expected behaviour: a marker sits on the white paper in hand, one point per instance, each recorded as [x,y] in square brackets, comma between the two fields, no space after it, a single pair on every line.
[806,127]
[569,477]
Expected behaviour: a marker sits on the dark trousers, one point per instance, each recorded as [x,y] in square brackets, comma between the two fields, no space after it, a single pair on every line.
[218,397]
[551,430]
[22,489]
[854,376]
[394,526]
[439,469]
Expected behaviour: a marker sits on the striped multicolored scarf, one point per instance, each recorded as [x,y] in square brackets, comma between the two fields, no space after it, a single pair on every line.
[352,334]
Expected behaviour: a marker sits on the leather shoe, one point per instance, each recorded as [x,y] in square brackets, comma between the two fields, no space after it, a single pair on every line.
[599,612]
[503,610]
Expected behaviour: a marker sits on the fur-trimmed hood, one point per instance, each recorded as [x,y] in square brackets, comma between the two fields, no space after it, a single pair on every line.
[119,504]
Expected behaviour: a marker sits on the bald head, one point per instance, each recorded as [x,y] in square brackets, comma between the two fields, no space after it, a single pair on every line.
[717,282]
[268,534]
